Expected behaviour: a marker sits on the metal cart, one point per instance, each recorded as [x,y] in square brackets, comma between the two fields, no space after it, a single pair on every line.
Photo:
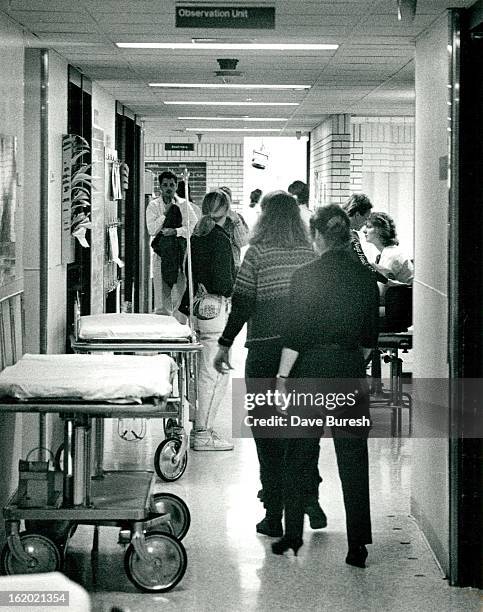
[152,524]
[171,456]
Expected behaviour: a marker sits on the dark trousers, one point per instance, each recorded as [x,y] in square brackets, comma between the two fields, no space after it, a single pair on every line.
[353,464]
[261,367]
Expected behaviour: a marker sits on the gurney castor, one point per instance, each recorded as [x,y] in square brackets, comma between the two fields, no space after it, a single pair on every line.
[166,569]
[169,427]
[180,518]
[164,460]
[46,556]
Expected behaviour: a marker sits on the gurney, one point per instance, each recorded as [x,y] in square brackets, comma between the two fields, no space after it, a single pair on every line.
[80,388]
[148,333]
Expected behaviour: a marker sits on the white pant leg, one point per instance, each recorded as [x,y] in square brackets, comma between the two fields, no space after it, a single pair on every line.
[212,386]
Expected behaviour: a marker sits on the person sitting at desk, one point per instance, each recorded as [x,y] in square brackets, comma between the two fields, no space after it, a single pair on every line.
[392,261]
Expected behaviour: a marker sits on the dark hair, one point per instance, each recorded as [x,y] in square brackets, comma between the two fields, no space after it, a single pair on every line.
[357,203]
[296,187]
[333,223]
[215,204]
[181,191]
[280,223]
[167,174]
[255,196]
[385,226]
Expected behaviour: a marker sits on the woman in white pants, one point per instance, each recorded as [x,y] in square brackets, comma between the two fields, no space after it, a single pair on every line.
[213,267]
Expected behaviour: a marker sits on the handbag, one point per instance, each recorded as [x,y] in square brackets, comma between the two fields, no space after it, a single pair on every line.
[206,305]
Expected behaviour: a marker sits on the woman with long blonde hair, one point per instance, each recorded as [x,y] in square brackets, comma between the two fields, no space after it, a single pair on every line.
[212,268]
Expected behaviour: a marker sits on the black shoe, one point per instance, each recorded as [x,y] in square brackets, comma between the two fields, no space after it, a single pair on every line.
[316,515]
[286,543]
[270,527]
[356,556]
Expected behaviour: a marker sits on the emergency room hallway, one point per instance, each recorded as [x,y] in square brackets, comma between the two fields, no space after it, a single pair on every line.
[231,568]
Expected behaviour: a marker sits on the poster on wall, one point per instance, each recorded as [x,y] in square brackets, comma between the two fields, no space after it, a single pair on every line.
[8,200]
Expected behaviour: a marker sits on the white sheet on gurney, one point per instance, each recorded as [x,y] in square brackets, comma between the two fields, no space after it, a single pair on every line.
[131,326]
[88,377]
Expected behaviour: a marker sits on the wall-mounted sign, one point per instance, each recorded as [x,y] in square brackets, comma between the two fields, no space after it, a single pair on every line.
[179,146]
[233,17]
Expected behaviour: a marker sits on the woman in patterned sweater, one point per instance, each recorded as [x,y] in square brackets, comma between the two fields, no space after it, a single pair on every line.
[280,244]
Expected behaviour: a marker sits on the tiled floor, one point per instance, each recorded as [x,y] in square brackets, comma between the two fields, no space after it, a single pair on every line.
[231,568]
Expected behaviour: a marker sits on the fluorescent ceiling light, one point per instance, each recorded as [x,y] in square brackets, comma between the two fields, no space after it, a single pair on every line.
[226,86]
[210,129]
[230,46]
[198,103]
[281,119]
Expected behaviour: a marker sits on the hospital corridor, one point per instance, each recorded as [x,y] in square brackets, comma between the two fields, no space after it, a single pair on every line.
[241,275]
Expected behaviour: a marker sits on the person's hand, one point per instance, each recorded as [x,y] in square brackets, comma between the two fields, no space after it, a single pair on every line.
[168,231]
[221,361]
[391,282]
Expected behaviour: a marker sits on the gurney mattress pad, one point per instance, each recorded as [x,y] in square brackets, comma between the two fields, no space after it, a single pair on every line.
[88,377]
[131,327]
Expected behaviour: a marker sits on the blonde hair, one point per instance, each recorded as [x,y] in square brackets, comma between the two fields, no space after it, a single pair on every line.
[215,204]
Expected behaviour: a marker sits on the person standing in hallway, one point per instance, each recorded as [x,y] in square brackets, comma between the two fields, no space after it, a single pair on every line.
[169,216]
[279,245]
[300,191]
[332,315]
[236,227]
[214,268]
[358,208]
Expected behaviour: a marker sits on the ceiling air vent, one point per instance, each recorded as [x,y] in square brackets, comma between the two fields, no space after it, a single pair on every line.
[228,68]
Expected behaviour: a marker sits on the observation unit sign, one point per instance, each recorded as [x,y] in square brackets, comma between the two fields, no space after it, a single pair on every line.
[234,17]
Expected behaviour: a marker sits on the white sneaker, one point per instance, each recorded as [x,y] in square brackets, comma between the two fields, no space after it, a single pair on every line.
[210,441]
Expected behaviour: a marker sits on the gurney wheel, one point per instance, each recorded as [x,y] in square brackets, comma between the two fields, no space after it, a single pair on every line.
[178,510]
[46,556]
[166,569]
[57,531]
[164,465]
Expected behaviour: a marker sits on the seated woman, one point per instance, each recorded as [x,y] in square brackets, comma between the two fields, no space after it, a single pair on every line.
[380,230]
[214,268]
[332,314]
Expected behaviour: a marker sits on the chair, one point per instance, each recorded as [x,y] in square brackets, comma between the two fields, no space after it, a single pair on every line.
[394,336]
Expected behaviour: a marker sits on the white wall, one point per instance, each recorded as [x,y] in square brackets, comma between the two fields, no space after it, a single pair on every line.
[382,166]
[224,162]
[104,113]
[11,124]
[57,126]
[287,162]
[430,490]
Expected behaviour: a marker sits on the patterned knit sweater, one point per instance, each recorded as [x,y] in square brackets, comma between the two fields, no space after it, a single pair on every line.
[261,291]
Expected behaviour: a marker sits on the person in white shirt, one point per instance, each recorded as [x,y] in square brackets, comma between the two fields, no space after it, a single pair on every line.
[392,261]
[300,191]
[167,298]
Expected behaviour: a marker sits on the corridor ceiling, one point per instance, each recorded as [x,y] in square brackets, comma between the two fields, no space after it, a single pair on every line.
[370,74]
